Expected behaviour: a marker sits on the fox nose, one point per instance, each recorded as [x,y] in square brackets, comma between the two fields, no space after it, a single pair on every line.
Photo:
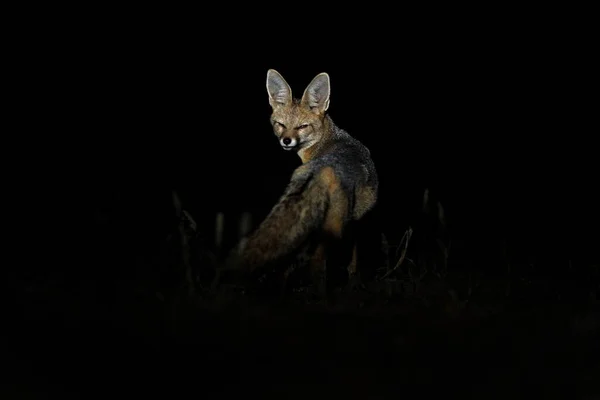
[288,143]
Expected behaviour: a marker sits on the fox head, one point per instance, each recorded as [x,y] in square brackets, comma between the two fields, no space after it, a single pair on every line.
[298,124]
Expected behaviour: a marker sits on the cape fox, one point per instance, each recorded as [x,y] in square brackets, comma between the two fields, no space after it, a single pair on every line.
[333,188]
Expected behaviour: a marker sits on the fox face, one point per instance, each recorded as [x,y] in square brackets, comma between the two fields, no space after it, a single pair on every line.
[298,124]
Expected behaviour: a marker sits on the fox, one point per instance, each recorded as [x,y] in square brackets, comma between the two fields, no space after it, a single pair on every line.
[333,188]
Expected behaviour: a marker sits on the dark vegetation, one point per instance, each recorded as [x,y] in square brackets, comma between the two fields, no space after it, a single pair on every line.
[145,320]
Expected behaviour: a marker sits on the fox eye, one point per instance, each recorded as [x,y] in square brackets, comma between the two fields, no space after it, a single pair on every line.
[302,126]
[280,124]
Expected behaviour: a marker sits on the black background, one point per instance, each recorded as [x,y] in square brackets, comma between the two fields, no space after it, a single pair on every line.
[491,120]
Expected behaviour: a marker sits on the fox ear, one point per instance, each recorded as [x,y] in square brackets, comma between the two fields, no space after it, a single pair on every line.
[279,91]
[316,95]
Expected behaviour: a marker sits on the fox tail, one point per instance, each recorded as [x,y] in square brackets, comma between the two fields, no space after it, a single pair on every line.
[299,212]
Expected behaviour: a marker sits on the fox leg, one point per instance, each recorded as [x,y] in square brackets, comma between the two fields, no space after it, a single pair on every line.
[318,270]
[353,267]
[284,279]
[353,277]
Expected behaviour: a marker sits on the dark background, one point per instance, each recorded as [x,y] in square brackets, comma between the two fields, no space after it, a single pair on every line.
[492,121]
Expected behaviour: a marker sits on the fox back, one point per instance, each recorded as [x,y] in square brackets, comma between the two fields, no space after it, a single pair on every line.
[333,188]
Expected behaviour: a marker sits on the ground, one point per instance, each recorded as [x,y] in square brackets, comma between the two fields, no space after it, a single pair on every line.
[71,344]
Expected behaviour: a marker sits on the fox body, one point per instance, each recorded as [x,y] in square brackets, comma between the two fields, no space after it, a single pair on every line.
[333,188]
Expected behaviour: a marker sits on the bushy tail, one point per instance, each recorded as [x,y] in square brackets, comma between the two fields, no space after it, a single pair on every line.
[299,212]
